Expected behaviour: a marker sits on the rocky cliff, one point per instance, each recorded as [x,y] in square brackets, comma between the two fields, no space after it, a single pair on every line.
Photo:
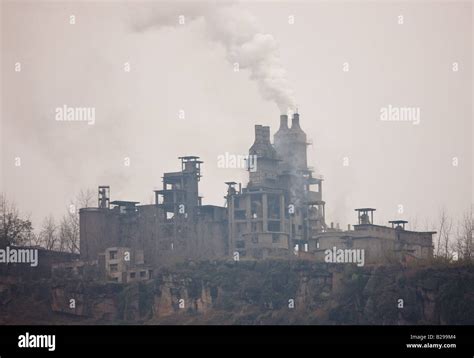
[251,292]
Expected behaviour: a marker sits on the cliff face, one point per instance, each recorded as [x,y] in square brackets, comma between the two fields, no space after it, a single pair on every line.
[265,292]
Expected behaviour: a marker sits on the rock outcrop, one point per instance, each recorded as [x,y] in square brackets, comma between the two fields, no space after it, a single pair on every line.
[251,292]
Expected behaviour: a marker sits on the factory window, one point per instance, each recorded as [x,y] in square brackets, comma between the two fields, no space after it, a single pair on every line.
[113,268]
[142,274]
[274,226]
[132,274]
[240,215]
[112,255]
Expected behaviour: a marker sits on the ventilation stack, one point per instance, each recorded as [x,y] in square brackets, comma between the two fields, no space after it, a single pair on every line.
[103,201]
[265,157]
[298,145]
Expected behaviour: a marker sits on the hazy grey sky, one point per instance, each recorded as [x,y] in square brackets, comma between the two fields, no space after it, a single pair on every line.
[182,67]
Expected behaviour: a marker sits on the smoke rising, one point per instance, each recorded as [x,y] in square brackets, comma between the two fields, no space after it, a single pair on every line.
[245,43]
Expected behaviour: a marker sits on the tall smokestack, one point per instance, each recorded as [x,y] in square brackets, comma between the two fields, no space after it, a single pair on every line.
[266,134]
[262,134]
[262,146]
[295,121]
[258,134]
[283,122]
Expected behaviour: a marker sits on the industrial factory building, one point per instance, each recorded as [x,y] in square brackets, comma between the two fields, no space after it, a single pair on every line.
[281,208]
[175,228]
[279,213]
[380,243]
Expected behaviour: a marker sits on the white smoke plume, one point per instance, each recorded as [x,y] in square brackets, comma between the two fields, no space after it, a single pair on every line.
[244,41]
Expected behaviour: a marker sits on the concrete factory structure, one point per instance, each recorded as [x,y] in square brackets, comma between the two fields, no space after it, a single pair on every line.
[380,243]
[279,213]
[176,227]
[282,206]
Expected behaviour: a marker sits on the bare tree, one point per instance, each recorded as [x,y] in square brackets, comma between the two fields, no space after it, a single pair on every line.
[69,230]
[14,230]
[35,240]
[69,226]
[443,243]
[85,198]
[465,242]
[48,235]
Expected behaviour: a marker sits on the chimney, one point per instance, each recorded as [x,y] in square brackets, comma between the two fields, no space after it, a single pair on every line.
[262,146]
[295,121]
[283,122]
[258,133]
[266,134]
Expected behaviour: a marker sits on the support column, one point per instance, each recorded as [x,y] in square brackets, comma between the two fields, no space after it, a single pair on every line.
[248,212]
[282,213]
[265,212]
[231,210]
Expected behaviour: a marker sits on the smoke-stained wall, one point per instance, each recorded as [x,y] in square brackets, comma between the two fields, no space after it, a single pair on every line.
[163,241]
